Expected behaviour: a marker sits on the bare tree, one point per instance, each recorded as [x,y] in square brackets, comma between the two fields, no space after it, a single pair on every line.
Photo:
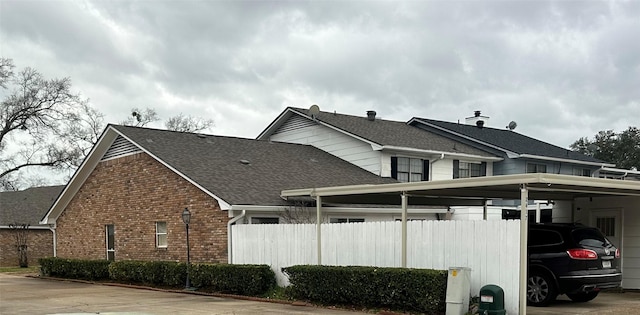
[21,233]
[298,213]
[42,124]
[141,118]
[184,123]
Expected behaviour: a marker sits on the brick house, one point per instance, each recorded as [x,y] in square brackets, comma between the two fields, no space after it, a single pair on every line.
[125,200]
[26,207]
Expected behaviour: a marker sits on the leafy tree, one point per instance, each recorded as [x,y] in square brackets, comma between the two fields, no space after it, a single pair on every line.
[621,149]
[42,124]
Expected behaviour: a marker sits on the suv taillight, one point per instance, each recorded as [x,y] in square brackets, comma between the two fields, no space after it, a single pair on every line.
[583,254]
[617,253]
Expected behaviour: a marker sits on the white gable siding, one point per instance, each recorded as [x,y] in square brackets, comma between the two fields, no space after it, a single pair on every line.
[442,169]
[630,220]
[354,151]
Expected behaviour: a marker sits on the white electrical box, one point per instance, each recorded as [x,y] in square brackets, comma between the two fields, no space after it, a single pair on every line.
[458,290]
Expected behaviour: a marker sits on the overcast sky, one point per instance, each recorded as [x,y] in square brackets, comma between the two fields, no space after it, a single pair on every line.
[562,70]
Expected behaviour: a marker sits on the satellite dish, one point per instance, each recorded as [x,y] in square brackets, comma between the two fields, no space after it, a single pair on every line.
[314,110]
[512,125]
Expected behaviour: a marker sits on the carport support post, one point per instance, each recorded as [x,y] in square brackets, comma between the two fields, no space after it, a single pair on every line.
[404,229]
[524,227]
[318,228]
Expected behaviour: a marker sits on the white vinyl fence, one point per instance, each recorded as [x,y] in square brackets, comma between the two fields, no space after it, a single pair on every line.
[490,248]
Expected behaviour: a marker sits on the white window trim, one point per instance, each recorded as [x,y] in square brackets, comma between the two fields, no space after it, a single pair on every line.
[348,219]
[161,233]
[263,217]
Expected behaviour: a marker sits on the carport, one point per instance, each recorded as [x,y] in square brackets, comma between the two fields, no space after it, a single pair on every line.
[471,192]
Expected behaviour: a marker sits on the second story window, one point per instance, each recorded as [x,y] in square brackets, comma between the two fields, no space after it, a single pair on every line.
[406,169]
[582,172]
[463,169]
[536,168]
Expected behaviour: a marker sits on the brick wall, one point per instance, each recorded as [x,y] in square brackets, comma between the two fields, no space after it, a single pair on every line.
[133,193]
[39,244]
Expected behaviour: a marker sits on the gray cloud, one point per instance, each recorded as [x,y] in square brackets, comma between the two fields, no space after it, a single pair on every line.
[561,69]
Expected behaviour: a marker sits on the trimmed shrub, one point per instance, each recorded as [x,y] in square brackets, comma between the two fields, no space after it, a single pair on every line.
[253,280]
[159,273]
[235,279]
[421,290]
[74,268]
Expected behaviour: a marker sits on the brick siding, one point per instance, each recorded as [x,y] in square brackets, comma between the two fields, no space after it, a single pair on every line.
[39,245]
[133,193]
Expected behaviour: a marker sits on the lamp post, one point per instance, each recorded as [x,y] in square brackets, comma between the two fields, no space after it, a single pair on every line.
[186,218]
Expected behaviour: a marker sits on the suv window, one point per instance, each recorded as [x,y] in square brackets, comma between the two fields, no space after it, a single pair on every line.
[589,237]
[544,238]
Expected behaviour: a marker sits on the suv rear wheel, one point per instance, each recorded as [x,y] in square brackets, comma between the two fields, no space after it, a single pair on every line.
[583,296]
[540,289]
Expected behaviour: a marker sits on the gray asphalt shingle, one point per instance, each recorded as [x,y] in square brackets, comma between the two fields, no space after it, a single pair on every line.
[394,133]
[512,141]
[216,163]
[27,206]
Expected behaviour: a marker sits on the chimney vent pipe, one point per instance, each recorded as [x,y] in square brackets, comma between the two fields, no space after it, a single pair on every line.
[371,115]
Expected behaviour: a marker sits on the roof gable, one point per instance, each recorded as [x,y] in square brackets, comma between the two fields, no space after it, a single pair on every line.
[27,206]
[231,170]
[508,141]
[378,132]
[247,171]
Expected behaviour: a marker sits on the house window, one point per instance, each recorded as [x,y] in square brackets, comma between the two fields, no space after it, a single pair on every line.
[265,220]
[607,225]
[406,169]
[110,241]
[582,172]
[536,168]
[346,220]
[463,169]
[161,234]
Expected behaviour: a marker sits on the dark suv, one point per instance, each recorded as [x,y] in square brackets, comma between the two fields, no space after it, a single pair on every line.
[570,259]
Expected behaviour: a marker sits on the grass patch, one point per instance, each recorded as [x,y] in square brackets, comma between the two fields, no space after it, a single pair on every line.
[277,293]
[19,270]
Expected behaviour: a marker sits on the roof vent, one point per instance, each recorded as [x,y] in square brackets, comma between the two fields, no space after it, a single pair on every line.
[371,115]
[245,162]
[476,118]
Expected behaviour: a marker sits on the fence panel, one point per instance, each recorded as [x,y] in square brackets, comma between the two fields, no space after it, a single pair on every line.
[489,248]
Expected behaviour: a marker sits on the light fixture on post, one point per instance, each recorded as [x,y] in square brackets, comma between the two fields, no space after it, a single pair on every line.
[186,218]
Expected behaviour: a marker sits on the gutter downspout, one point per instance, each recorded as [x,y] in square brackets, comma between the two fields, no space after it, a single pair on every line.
[229,224]
[431,165]
[52,228]
[405,202]
[319,229]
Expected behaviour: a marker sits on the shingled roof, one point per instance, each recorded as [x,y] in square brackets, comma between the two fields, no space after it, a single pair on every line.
[27,206]
[391,133]
[246,171]
[508,140]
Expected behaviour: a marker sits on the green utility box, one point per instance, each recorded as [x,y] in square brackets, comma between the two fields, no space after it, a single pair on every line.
[491,300]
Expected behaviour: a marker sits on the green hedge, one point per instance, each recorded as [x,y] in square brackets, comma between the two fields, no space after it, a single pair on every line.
[155,273]
[251,280]
[421,290]
[74,268]
[235,279]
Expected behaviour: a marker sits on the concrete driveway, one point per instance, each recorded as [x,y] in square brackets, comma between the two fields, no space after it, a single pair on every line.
[26,295]
[627,303]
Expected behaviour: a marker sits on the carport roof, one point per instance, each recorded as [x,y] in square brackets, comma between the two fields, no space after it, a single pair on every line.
[473,191]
